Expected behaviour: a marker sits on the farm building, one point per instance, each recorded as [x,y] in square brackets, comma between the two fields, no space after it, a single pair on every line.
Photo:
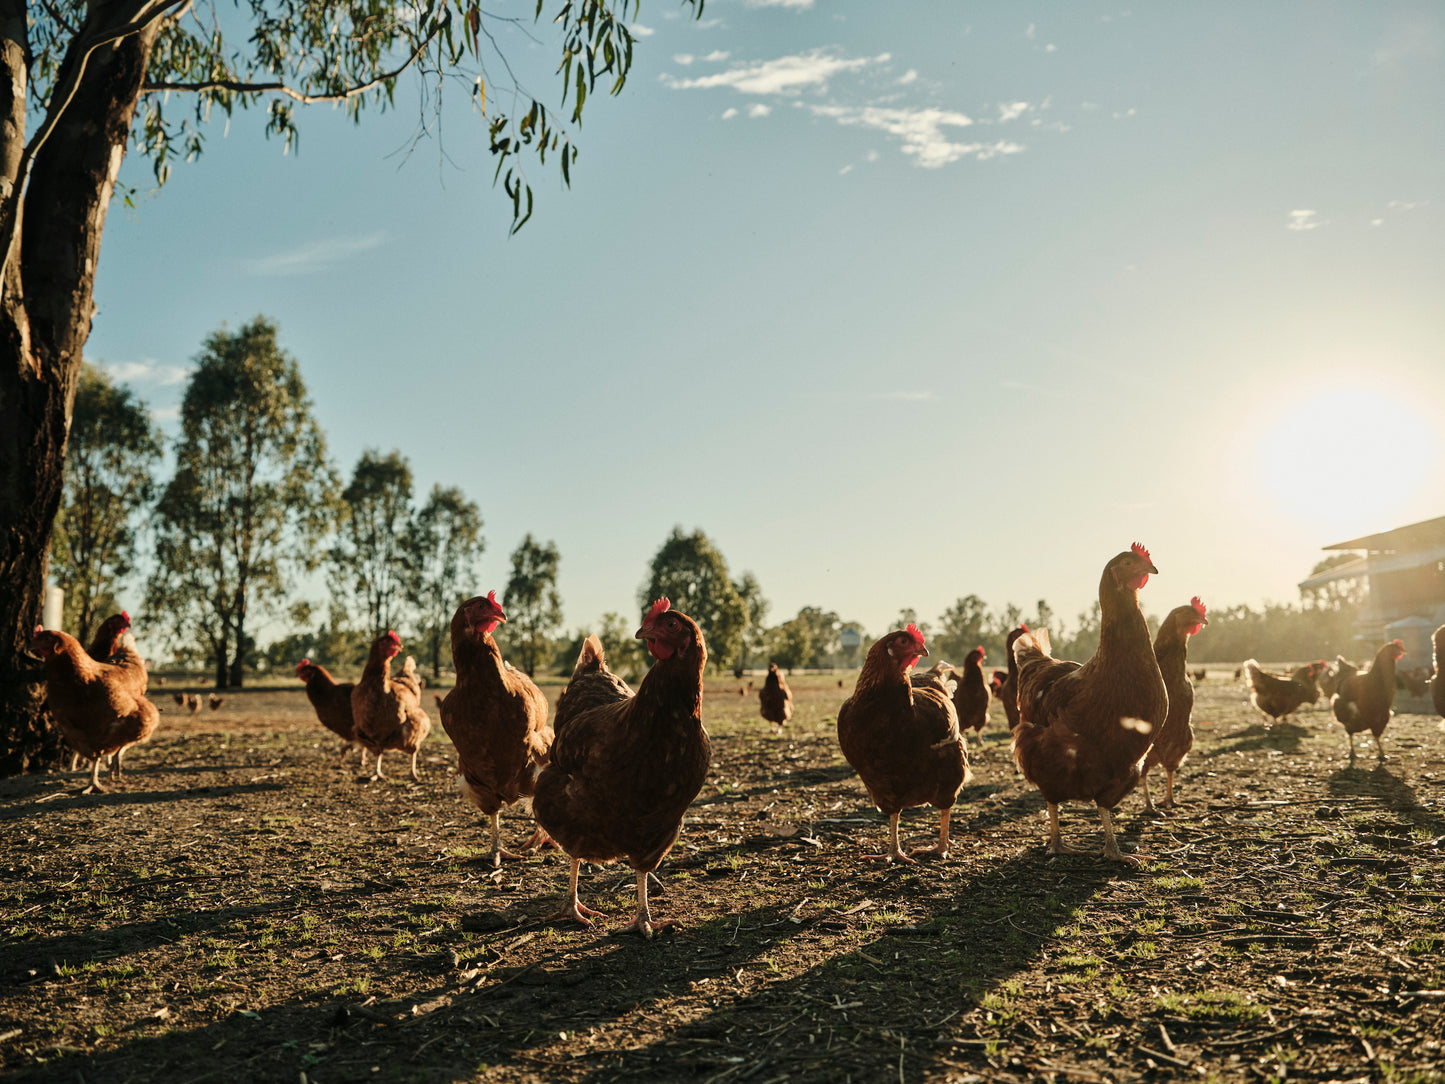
[1404,571]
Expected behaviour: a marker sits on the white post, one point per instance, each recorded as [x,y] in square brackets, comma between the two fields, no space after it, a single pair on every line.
[54,608]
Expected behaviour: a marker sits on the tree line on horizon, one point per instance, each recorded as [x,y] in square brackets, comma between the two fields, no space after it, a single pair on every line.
[254,505]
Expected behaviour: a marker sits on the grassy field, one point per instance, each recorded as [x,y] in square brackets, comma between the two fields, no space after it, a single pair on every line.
[243,909]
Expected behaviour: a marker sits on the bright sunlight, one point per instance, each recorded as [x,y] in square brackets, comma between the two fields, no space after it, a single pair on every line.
[1349,459]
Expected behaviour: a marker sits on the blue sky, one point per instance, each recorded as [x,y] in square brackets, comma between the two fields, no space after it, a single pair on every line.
[897,302]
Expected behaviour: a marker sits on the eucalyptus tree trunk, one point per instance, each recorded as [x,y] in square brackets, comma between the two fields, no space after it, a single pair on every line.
[50,232]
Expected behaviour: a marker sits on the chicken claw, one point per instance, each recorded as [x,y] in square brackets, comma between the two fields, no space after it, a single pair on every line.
[572,909]
[894,853]
[940,849]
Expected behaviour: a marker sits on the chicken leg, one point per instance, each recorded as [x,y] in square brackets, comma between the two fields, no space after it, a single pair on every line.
[414,773]
[643,922]
[572,908]
[941,847]
[95,785]
[498,851]
[1111,844]
[893,853]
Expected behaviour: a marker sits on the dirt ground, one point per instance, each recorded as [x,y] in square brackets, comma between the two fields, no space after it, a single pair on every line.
[243,909]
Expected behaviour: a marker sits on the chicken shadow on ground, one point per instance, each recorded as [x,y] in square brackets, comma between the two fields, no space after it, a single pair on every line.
[1380,782]
[1285,737]
[73,799]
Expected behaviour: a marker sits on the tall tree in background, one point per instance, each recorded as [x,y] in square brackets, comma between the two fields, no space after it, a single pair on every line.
[534,610]
[252,494]
[369,560]
[75,76]
[756,608]
[691,572]
[109,478]
[961,628]
[444,544]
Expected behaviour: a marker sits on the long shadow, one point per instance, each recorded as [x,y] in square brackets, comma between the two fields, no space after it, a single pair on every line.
[118,798]
[1285,737]
[967,931]
[1380,782]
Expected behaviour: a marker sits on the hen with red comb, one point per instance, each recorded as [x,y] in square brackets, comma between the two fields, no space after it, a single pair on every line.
[903,739]
[1363,701]
[1084,729]
[1176,737]
[497,719]
[387,711]
[625,767]
[331,700]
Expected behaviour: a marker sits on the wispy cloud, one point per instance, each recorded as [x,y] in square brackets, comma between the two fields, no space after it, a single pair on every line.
[145,372]
[1303,220]
[640,31]
[1011,111]
[729,113]
[920,132]
[910,76]
[161,415]
[758,109]
[785,75]
[717,56]
[313,257]
[684,59]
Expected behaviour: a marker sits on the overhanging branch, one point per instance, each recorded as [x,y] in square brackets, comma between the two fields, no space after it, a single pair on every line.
[239,86]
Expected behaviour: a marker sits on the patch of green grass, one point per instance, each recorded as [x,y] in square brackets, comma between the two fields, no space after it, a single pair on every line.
[1211,1005]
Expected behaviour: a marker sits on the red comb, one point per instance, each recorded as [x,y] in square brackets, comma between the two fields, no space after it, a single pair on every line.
[305,662]
[1399,643]
[912,630]
[391,634]
[492,597]
[1198,606]
[1138,548]
[126,616]
[661,606]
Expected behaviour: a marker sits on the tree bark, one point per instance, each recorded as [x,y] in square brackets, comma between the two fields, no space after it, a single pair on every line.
[45,315]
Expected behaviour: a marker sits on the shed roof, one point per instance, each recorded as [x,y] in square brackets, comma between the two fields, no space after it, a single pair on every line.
[1427,534]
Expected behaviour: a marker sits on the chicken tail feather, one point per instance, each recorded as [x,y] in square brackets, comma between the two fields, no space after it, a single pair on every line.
[591,658]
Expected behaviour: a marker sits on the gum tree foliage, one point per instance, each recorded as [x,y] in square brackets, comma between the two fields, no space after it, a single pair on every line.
[109,481]
[84,80]
[754,634]
[443,546]
[961,628]
[369,561]
[692,573]
[534,609]
[252,496]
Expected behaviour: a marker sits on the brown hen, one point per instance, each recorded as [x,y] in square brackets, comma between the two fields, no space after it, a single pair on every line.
[775,699]
[387,711]
[331,700]
[497,719]
[1176,737]
[1084,729]
[625,767]
[902,739]
[95,705]
[1363,700]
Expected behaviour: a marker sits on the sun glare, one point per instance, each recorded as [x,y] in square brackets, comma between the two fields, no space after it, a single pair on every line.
[1348,458]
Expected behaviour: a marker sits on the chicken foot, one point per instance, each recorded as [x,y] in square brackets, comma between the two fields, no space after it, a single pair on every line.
[1165,806]
[1111,844]
[498,851]
[95,784]
[893,853]
[376,768]
[643,923]
[1056,844]
[941,847]
[572,908]
[416,776]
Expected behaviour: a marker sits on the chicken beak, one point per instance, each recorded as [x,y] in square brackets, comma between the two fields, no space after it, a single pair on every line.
[924,650]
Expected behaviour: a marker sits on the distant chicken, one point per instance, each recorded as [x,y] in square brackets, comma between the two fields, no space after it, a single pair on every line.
[1280,697]
[903,740]
[971,695]
[215,702]
[1176,737]
[1008,689]
[1437,680]
[1200,675]
[331,700]
[1415,681]
[1363,701]
[775,699]
[625,767]
[181,698]
[94,704]
[497,719]
[193,704]
[387,711]
[1084,730]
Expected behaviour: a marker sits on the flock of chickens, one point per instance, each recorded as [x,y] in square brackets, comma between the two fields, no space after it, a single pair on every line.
[616,771]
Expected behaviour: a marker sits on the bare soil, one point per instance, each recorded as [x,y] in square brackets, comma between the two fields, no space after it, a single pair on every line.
[242,909]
